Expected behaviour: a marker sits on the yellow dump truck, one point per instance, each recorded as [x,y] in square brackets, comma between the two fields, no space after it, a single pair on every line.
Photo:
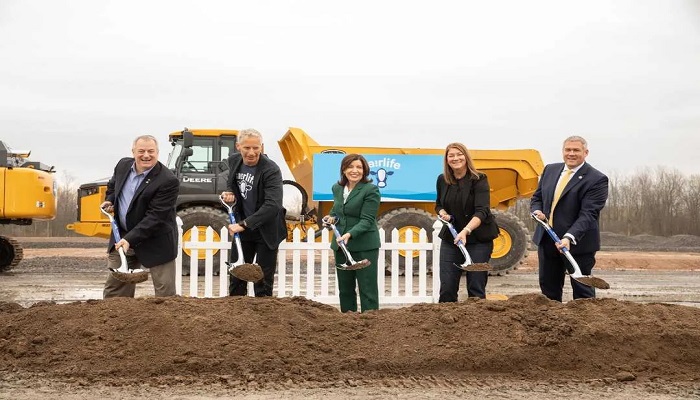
[199,158]
[27,192]
[513,174]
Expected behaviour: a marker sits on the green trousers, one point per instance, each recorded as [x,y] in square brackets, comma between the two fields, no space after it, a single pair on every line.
[366,279]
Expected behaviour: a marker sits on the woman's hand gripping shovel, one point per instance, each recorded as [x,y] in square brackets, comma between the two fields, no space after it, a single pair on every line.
[240,269]
[468,264]
[351,265]
[577,275]
[123,274]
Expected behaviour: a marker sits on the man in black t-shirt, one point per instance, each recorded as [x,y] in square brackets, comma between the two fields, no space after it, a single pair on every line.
[255,185]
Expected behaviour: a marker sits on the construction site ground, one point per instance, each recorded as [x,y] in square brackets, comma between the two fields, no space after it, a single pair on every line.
[638,340]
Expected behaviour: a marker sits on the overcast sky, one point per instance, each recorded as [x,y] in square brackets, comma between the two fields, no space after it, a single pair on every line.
[80,79]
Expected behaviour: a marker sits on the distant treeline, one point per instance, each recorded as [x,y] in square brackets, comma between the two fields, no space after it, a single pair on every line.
[661,201]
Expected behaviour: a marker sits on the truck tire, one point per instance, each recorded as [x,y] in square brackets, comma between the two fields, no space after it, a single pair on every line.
[201,216]
[404,219]
[11,253]
[510,247]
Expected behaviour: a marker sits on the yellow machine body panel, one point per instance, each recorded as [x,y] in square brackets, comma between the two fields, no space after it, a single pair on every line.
[27,193]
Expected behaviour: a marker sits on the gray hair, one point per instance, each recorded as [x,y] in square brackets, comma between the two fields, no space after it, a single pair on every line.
[145,137]
[576,138]
[249,133]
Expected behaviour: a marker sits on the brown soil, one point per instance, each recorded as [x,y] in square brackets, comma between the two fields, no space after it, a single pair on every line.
[265,342]
[526,347]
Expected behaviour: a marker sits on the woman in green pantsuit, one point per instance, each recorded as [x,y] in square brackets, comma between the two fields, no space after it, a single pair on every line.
[355,206]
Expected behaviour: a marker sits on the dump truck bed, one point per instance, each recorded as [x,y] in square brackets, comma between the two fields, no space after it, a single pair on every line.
[512,174]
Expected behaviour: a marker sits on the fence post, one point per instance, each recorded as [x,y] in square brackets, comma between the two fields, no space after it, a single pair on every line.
[223,268]
[381,266]
[194,261]
[178,259]
[436,261]
[310,265]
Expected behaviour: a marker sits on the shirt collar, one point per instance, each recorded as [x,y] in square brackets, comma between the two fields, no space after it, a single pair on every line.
[144,173]
[575,170]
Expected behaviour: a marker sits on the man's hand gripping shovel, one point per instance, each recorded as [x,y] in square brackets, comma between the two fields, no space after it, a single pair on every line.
[123,274]
[350,265]
[240,269]
[468,264]
[587,280]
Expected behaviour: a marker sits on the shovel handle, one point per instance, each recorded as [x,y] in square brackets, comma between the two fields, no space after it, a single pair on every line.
[231,217]
[460,243]
[564,249]
[452,229]
[117,237]
[113,222]
[341,243]
[337,235]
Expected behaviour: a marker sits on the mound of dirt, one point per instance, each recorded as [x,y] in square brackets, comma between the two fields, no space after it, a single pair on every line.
[263,342]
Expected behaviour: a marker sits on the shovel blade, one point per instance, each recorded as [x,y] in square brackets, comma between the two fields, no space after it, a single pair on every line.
[474,267]
[133,276]
[593,282]
[246,272]
[354,267]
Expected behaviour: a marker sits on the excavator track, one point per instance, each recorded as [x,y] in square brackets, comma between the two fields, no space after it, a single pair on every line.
[11,253]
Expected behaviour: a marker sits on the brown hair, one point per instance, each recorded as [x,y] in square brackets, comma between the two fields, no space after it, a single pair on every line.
[447,170]
[347,160]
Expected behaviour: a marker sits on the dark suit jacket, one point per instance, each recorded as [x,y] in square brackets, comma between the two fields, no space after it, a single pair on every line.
[268,218]
[358,216]
[476,203]
[150,228]
[578,208]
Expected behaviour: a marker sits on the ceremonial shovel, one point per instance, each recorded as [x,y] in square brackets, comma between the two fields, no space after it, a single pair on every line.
[123,273]
[587,280]
[351,265]
[240,269]
[468,264]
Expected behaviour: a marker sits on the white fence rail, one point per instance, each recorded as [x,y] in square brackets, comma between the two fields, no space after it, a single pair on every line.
[306,268]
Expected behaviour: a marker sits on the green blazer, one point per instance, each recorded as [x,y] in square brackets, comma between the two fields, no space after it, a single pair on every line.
[358,215]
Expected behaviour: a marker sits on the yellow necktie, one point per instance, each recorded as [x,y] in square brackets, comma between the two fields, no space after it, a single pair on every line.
[557,193]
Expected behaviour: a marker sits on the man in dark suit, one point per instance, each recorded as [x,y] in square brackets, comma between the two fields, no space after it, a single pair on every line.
[255,185]
[142,194]
[571,195]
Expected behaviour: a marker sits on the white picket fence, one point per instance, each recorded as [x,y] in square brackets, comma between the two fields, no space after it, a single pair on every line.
[316,280]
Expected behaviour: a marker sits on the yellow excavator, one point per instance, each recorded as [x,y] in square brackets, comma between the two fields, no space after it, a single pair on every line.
[27,193]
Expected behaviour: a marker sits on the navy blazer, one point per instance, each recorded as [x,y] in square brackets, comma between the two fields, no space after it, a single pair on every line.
[269,215]
[150,228]
[579,206]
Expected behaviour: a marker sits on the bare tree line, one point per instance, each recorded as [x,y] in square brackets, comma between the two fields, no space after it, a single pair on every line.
[660,201]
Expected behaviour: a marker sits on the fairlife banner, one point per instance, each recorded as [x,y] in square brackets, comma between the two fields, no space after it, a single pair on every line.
[400,177]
